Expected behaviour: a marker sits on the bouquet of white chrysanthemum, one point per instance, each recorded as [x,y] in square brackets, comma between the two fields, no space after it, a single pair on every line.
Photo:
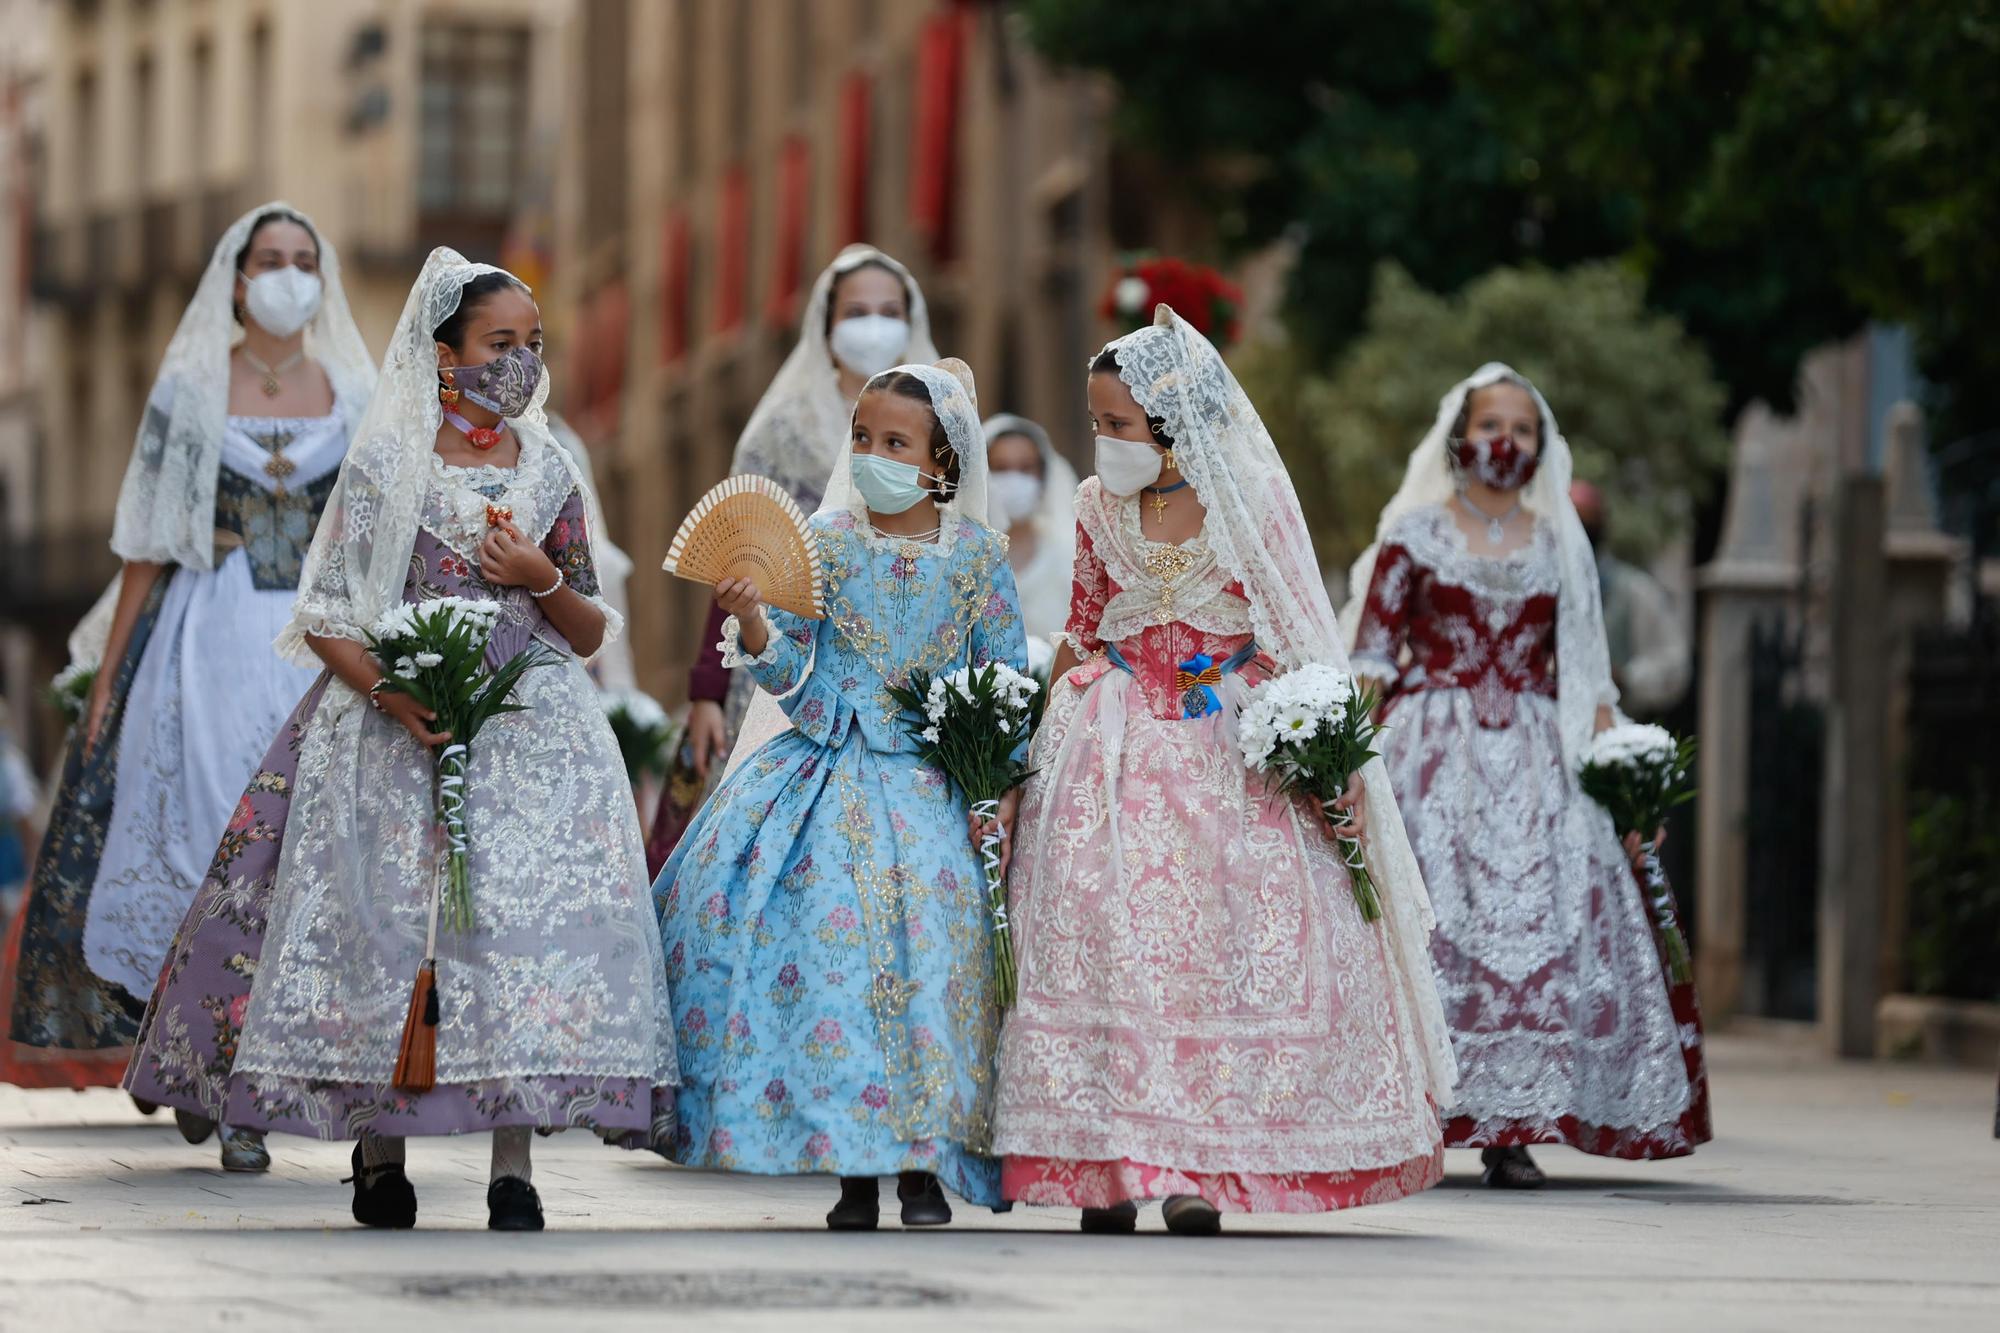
[970,723]
[645,733]
[1309,731]
[1639,773]
[435,652]
[70,688]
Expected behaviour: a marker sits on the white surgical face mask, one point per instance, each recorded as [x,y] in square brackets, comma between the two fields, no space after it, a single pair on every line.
[870,344]
[282,300]
[887,486]
[1126,467]
[1013,496]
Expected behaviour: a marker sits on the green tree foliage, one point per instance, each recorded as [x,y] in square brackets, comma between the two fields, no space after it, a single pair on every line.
[1777,171]
[1789,165]
[1632,392]
[1331,123]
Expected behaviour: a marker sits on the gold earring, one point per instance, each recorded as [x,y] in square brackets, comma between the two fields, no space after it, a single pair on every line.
[1167,461]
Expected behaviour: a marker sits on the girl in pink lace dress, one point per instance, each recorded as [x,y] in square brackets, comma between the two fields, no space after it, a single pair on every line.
[1204,1016]
[1478,612]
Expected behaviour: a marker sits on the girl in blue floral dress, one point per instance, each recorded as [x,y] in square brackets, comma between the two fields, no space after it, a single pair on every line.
[824,918]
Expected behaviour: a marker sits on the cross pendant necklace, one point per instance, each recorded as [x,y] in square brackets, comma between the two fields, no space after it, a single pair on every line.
[272,386]
[1157,495]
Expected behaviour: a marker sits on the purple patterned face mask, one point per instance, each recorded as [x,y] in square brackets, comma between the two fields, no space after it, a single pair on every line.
[506,384]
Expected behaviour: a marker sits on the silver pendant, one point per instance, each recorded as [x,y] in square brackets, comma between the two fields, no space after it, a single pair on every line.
[1495,534]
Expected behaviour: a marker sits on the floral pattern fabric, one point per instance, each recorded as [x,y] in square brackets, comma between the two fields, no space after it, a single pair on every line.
[824,919]
[283,1000]
[1561,1018]
[135,821]
[65,1026]
[1202,1009]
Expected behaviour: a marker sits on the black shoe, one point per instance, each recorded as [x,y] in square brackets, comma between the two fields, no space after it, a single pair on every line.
[1511,1169]
[513,1205]
[194,1127]
[383,1195]
[142,1106]
[922,1199]
[860,1206]
[1191,1215]
[1121,1219]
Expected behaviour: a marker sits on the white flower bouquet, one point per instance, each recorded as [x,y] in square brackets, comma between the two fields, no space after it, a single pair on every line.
[645,733]
[69,690]
[969,724]
[435,652]
[1308,732]
[1639,773]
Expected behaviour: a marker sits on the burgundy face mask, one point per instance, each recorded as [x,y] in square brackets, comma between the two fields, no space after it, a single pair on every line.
[1498,462]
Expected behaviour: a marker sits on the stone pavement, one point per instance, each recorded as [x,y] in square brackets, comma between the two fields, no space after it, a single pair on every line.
[1839,1196]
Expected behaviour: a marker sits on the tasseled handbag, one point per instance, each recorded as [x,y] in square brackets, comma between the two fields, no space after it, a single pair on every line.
[416,1059]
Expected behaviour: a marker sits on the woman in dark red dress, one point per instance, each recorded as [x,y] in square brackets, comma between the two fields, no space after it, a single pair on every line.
[1477,612]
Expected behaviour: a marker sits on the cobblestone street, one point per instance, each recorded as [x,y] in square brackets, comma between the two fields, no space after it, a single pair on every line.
[1835,1197]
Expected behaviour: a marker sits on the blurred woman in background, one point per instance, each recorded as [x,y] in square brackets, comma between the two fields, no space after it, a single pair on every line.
[242,436]
[1033,496]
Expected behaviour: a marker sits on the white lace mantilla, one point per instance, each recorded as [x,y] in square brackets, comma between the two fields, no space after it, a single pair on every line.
[1158,582]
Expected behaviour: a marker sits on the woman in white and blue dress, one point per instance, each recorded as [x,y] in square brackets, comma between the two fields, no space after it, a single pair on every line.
[241,439]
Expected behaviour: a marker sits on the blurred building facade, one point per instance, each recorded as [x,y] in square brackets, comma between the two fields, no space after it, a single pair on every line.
[135,131]
[720,152]
[23,59]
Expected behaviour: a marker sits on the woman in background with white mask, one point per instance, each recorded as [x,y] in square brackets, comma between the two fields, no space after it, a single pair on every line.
[242,436]
[866,314]
[1033,492]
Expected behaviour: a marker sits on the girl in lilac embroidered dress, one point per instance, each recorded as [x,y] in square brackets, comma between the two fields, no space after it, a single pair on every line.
[285,993]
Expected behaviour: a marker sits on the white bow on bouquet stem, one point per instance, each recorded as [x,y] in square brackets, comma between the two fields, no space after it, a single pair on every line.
[435,652]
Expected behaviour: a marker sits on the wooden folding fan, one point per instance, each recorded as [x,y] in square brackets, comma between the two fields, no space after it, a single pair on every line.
[749,528]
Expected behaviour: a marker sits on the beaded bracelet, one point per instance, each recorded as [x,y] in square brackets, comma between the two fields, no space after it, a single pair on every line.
[549,591]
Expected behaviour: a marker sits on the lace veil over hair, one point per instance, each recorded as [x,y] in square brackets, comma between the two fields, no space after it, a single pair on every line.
[1259,535]
[360,554]
[799,427]
[1583,659]
[166,506]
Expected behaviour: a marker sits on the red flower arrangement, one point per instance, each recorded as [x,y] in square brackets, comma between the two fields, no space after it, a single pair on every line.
[1198,294]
